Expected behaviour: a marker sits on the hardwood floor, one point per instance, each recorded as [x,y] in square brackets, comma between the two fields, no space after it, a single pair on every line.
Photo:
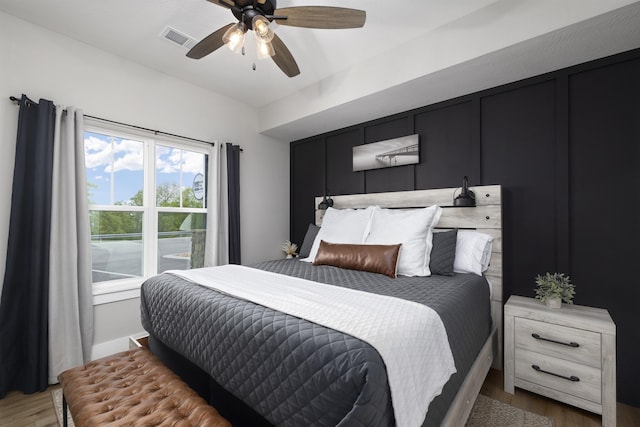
[36,410]
[28,410]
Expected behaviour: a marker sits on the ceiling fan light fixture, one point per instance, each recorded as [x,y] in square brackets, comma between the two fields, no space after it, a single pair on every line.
[234,37]
[264,49]
[261,28]
[257,15]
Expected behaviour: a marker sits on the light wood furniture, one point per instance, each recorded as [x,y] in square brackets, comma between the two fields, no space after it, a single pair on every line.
[567,354]
[486,217]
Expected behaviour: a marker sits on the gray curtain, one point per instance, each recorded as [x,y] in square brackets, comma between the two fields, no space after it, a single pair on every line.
[70,282]
[25,292]
[46,312]
[216,250]
[233,182]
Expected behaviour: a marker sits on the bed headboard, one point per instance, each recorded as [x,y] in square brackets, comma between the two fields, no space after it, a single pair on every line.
[486,217]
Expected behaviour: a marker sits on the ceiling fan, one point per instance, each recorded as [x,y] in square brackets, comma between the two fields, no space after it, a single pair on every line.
[256,15]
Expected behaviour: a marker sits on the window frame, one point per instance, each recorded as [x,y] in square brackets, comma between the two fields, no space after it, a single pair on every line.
[128,288]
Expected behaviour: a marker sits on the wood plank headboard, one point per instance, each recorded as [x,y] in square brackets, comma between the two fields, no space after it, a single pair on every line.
[486,217]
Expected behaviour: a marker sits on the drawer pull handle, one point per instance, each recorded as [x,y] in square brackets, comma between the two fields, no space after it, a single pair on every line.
[568,344]
[571,378]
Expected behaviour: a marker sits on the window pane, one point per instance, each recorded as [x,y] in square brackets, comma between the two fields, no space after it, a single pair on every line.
[114,170]
[180,178]
[116,245]
[181,238]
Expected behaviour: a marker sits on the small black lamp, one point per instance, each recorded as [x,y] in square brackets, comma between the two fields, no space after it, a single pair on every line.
[466,198]
[325,203]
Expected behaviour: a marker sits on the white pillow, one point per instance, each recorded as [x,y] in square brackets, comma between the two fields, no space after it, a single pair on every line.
[473,252]
[342,226]
[412,228]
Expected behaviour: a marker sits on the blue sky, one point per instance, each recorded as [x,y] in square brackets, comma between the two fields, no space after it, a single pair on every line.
[121,160]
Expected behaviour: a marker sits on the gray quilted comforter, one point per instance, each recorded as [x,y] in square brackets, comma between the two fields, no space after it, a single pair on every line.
[296,373]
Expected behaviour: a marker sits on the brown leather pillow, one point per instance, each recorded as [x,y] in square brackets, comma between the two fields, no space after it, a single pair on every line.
[381,259]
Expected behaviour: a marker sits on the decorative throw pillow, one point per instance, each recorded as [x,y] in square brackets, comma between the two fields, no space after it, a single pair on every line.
[342,226]
[307,243]
[382,259]
[443,253]
[412,228]
[473,252]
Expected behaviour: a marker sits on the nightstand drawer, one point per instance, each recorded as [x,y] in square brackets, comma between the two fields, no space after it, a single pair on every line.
[572,344]
[559,374]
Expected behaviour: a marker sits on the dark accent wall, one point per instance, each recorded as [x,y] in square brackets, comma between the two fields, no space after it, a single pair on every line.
[565,146]
[307,177]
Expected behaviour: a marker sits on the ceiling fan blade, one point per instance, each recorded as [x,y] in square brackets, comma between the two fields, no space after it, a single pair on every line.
[210,43]
[325,17]
[224,3]
[283,58]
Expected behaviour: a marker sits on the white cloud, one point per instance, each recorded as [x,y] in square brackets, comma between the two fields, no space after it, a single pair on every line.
[97,152]
[126,154]
[169,161]
[193,162]
[161,150]
[132,161]
[165,167]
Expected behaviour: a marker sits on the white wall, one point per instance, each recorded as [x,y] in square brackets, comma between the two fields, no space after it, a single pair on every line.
[504,42]
[43,64]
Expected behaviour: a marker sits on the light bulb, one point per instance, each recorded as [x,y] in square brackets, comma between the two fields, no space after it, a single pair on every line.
[264,49]
[234,37]
[261,28]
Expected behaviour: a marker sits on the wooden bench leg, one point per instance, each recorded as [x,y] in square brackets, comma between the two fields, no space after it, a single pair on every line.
[64,411]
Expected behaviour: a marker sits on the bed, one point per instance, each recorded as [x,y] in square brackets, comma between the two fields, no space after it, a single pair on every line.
[262,366]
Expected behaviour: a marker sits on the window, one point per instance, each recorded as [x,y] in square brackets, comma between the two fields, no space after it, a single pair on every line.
[147,206]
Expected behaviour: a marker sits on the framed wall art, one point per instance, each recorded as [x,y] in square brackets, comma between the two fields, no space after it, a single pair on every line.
[385,154]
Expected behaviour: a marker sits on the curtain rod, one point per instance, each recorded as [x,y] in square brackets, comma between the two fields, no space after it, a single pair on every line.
[156,132]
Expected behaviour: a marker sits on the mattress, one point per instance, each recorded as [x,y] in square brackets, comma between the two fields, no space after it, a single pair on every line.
[293,372]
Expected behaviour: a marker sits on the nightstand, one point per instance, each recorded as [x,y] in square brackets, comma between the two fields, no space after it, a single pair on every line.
[567,354]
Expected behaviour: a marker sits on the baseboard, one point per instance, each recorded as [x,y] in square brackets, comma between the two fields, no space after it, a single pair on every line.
[109,347]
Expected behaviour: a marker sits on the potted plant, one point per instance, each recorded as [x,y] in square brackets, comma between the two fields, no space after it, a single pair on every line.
[554,288]
[289,249]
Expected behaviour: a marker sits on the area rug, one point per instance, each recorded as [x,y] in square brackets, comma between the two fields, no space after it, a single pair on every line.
[56,395]
[486,412]
[490,412]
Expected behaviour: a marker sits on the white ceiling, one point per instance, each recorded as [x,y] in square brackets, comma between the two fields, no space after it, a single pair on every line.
[386,57]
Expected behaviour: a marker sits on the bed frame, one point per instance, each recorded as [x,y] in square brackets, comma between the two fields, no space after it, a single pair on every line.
[486,217]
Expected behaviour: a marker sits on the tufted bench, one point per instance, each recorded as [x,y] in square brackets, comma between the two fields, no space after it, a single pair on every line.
[133,388]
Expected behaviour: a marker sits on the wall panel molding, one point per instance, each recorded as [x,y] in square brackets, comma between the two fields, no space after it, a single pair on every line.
[558,143]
